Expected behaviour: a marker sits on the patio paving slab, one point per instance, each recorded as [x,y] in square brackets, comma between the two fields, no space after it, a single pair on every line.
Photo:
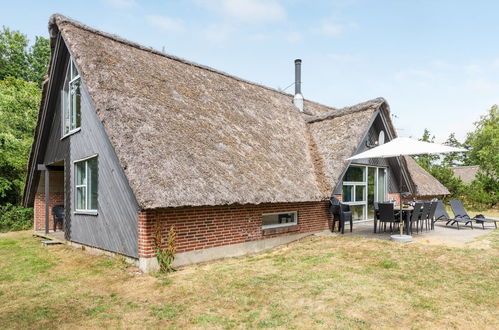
[441,235]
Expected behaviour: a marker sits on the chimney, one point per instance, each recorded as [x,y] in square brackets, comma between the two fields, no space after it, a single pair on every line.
[298,99]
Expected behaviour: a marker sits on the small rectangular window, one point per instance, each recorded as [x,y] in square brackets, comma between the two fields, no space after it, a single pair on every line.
[86,185]
[272,220]
[71,100]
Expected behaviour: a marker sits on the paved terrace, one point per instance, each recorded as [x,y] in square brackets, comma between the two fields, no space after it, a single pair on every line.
[441,235]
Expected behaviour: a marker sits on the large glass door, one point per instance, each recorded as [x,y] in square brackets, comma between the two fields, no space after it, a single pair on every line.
[362,187]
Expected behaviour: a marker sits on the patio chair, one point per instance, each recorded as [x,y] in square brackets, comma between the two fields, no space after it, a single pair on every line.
[459,211]
[416,216]
[431,216]
[386,215]
[425,212]
[58,214]
[341,214]
[441,214]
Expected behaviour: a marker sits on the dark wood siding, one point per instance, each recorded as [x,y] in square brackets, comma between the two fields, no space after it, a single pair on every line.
[115,227]
[57,150]
[371,137]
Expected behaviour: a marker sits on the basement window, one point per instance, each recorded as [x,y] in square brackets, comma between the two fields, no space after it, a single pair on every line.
[86,184]
[281,219]
[71,101]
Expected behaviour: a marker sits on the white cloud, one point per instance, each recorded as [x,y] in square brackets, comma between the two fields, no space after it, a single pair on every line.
[259,37]
[483,85]
[122,3]
[293,37]
[165,23]
[329,29]
[473,69]
[247,10]
[342,57]
[217,33]
[411,74]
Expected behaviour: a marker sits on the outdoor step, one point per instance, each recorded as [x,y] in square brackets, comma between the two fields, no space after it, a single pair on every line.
[46,243]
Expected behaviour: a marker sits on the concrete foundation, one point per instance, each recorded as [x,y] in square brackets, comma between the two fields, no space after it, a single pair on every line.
[234,250]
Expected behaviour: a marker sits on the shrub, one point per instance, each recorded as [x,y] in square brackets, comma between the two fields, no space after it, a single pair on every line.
[14,217]
[165,253]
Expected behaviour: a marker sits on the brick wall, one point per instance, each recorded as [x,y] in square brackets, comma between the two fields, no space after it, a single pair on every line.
[56,198]
[205,227]
[396,197]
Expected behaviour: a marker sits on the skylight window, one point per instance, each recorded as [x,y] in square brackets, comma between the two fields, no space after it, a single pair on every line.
[71,100]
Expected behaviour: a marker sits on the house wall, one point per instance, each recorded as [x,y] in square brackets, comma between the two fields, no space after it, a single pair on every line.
[205,228]
[114,228]
[56,198]
[371,137]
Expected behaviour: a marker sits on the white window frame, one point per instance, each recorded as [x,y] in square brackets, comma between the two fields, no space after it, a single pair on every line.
[279,225]
[67,104]
[76,186]
[363,183]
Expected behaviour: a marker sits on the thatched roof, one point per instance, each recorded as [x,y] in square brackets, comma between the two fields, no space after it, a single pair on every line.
[189,135]
[466,173]
[337,135]
[424,183]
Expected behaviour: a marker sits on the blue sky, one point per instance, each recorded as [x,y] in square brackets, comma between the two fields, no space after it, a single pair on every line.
[436,62]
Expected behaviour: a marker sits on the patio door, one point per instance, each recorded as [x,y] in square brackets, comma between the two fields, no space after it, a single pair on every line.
[362,186]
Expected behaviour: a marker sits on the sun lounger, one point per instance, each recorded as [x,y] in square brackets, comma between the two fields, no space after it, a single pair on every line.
[459,211]
[441,214]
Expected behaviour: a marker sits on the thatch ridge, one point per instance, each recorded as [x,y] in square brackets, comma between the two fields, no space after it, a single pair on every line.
[466,173]
[363,106]
[423,182]
[57,19]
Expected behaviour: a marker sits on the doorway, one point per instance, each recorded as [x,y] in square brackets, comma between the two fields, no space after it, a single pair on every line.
[362,187]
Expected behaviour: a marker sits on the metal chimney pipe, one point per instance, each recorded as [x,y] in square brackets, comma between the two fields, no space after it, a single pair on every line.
[298,76]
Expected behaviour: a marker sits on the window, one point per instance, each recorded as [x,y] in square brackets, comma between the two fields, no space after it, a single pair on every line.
[71,100]
[272,220]
[86,185]
[362,186]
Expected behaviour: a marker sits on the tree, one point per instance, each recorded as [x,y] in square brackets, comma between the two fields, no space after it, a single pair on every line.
[454,158]
[426,161]
[13,55]
[20,61]
[19,101]
[39,57]
[484,143]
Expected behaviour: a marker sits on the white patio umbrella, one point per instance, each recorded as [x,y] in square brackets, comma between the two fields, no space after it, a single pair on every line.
[403,146]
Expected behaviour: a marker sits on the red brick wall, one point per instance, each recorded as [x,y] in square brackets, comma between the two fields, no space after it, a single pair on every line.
[396,197]
[39,210]
[205,227]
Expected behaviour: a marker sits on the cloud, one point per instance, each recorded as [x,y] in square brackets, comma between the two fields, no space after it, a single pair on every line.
[247,10]
[473,69]
[217,33]
[411,74]
[122,3]
[259,37]
[329,29]
[342,57]
[165,23]
[294,37]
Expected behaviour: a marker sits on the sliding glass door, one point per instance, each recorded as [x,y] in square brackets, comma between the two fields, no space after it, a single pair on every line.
[362,186]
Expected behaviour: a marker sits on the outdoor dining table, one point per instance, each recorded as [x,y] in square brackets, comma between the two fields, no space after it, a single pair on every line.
[406,216]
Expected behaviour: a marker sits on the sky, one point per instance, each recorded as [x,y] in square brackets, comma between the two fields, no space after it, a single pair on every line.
[435,62]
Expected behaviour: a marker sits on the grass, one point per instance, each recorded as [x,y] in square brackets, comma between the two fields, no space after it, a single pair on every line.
[318,282]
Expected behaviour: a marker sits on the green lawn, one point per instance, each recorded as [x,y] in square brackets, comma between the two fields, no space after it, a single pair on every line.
[321,282]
